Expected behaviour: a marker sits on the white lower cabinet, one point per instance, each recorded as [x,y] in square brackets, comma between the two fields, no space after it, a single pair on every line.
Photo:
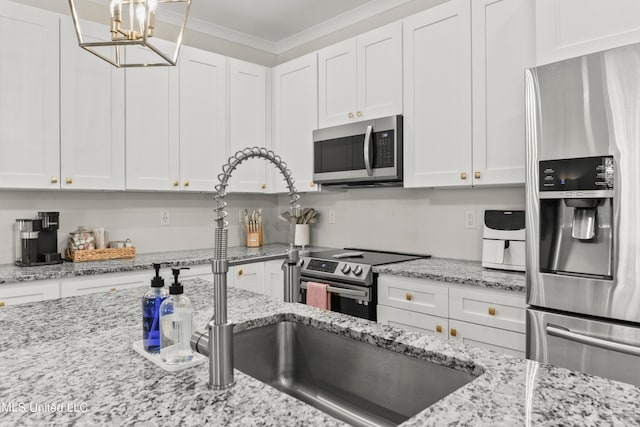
[203,271]
[105,283]
[249,277]
[21,293]
[274,279]
[485,318]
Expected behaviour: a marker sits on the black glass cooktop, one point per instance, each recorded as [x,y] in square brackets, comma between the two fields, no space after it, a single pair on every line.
[364,256]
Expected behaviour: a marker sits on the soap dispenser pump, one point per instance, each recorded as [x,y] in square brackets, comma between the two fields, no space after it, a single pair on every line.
[176,324]
[151,302]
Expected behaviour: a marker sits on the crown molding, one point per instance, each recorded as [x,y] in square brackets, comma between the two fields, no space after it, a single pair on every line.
[339,22]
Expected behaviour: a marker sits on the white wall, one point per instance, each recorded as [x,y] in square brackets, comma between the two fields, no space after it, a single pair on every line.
[136,216]
[424,221]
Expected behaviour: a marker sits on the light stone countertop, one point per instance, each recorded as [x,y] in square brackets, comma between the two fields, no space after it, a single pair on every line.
[76,352]
[456,271]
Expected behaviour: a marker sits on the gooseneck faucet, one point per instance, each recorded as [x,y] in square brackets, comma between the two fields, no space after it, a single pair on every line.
[220,341]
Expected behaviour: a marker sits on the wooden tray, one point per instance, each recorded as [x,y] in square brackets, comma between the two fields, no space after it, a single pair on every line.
[100,254]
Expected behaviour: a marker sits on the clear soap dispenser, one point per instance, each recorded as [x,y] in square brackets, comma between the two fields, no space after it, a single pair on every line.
[176,324]
[151,302]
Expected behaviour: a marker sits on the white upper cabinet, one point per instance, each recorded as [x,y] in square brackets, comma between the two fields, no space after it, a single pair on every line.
[247,123]
[203,132]
[295,115]
[503,47]
[568,28]
[152,133]
[361,78]
[92,114]
[437,96]
[29,97]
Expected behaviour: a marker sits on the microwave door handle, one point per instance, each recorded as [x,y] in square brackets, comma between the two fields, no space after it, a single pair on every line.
[367,150]
[560,332]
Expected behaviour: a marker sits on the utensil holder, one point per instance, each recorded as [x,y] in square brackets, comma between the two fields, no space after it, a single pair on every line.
[301,236]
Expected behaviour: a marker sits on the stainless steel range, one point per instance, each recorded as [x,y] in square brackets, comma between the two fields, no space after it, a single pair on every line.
[349,274]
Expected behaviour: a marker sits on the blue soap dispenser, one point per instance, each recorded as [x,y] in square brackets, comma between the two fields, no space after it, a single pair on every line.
[176,324]
[151,302]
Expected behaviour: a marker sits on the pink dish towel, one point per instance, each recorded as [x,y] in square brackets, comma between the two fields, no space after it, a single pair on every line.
[318,295]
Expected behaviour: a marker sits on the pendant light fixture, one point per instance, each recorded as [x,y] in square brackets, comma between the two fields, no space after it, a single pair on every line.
[132,36]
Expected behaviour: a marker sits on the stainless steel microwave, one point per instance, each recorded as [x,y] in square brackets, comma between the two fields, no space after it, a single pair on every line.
[365,153]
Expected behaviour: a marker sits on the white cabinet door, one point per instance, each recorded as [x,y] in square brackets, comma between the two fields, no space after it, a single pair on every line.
[91,116]
[29,97]
[203,271]
[568,28]
[152,136]
[437,96]
[379,68]
[495,339]
[20,293]
[503,47]
[337,84]
[249,277]
[295,113]
[247,124]
[105,283]
[412,321]
[203,111]
[274,279]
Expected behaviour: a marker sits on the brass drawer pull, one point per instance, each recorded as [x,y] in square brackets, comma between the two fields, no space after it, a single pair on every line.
[54,180]
[477,175]
[463,175]
[492,311]
[439,329]
[263,186]
[2,304]
[311,184]
[454,332]
[350,115]
[240,272]
[112,290]
[69,181]
[176,183]
[359,114]
[408,296]
[186,183]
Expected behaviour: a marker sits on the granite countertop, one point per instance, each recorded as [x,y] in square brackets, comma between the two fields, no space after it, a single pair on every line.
[456,271]
[10,273]
[70,361]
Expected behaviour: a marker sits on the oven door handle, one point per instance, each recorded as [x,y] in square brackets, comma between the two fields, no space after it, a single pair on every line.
[345,292]
[560,332]
[367,150]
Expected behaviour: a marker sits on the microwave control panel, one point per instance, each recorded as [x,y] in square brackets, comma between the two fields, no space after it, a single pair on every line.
[586,173]
[384,154]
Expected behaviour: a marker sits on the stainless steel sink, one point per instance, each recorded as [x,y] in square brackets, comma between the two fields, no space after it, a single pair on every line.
[356,382]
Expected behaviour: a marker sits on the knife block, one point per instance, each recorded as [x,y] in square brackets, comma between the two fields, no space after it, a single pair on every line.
[254,240]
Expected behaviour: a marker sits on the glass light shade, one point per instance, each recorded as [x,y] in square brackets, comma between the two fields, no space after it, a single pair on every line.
[137,33]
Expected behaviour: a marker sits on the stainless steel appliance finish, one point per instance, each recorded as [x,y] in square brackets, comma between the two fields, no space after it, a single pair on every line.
[349,274]
[356,382]
[583,211]
[362,153]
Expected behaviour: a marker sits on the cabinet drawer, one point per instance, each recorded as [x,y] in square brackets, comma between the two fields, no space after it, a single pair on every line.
[412,321]
[247,276]
[504,310]
[104,283]
[423,296]
[499,340]
[21,293]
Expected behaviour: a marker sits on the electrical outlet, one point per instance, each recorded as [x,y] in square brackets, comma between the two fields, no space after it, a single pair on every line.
[470,219]
[164,218]
[332,216]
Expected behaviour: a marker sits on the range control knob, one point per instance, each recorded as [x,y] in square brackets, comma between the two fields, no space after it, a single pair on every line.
[346,269]
[357,270]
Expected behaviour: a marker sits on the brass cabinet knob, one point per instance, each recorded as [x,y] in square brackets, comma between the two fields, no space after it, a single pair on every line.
[463,175]
[2,304]
[439,329]
[359,114]
[240,272]
[69,181]
[176,183]
[112,290]
[311,184]
[492,311]
[263,186]
[186,183]
[54,180]
[350,115]
[408,296]
[454,332]
[477,175]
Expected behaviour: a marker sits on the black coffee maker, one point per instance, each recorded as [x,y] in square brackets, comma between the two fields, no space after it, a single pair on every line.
[36,240]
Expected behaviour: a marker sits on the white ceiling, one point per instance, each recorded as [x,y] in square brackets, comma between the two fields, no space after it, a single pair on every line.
[278,25]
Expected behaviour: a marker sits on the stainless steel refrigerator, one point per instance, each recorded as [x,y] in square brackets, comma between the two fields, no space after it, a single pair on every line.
[583,213]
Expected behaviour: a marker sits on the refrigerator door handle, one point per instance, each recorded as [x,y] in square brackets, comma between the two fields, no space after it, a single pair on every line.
[560,332]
